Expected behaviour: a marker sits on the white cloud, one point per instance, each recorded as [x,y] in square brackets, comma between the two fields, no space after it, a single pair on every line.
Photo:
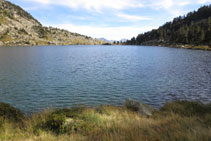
[184,3]
[132,17]
[118,8]
[172,4]
[174,7]
[111,33]
[203,1]
[166,4]
[40,1]
[96,5]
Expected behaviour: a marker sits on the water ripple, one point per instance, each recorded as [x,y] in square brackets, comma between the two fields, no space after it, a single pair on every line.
[33,79]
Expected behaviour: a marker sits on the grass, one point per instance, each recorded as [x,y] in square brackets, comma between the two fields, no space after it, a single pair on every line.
[198,47]
[180,120]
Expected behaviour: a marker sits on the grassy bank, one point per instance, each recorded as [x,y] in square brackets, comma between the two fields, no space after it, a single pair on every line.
[199,47]
[194,47]
[180,120]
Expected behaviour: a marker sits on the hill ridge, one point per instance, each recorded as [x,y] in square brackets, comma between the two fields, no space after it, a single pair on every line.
[194,29]
[19,28]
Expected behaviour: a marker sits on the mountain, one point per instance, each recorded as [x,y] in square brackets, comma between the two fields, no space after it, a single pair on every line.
[123,40]
[191,30]
[106,40]
[113,41]
[19,28]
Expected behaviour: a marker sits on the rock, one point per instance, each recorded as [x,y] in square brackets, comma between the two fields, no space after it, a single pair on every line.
[1,43]
[68,122]
[139,107]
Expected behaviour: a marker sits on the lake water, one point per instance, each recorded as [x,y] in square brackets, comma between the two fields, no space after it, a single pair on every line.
[35,78]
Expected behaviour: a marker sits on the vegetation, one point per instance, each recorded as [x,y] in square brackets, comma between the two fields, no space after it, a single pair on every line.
[10,113]
[192,29]
[180,120]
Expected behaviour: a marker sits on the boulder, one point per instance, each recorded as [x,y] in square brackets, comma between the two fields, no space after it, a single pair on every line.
[1,43]
[139,107]
[68,122]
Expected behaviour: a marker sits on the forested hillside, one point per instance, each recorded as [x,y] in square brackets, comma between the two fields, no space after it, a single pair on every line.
[191,29]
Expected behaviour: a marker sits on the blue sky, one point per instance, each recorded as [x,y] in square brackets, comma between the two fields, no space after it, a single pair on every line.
[111,19]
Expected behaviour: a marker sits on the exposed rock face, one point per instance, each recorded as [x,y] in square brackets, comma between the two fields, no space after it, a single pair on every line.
[139,107]
[19,28]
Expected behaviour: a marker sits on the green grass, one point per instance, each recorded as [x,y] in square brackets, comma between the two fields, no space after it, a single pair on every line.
[180,120]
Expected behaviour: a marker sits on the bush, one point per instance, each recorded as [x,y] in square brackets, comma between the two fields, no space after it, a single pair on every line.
[22,31]
[186,108]
[40,31]
[56,122]
[10,113]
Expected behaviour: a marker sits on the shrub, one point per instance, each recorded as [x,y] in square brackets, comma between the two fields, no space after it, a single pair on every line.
[10,113]
[22,31]
[40,31]
[8,14]
[186,108]
[56,123]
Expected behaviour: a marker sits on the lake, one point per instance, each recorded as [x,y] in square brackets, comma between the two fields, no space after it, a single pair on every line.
[35,78]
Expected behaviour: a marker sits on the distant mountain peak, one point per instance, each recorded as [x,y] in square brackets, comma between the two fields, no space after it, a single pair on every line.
[106,40]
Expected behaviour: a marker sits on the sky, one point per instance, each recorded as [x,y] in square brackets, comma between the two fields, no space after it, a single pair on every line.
[110,19]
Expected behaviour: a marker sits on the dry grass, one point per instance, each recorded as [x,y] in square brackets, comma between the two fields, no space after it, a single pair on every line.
[201,47]
[114,124]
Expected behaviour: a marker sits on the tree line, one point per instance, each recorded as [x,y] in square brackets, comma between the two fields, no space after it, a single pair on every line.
[193,29]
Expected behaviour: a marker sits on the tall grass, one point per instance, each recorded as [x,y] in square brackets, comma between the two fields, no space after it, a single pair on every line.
[179,120]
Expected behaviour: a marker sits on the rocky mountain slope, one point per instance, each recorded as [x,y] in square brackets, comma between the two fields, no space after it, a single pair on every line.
[19,28]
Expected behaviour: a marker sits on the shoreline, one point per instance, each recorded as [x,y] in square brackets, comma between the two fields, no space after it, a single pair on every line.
[178,120]
[200,47]
[47,45]
[193,47]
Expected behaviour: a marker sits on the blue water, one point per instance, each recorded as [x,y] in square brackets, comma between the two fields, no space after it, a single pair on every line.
[35,78]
